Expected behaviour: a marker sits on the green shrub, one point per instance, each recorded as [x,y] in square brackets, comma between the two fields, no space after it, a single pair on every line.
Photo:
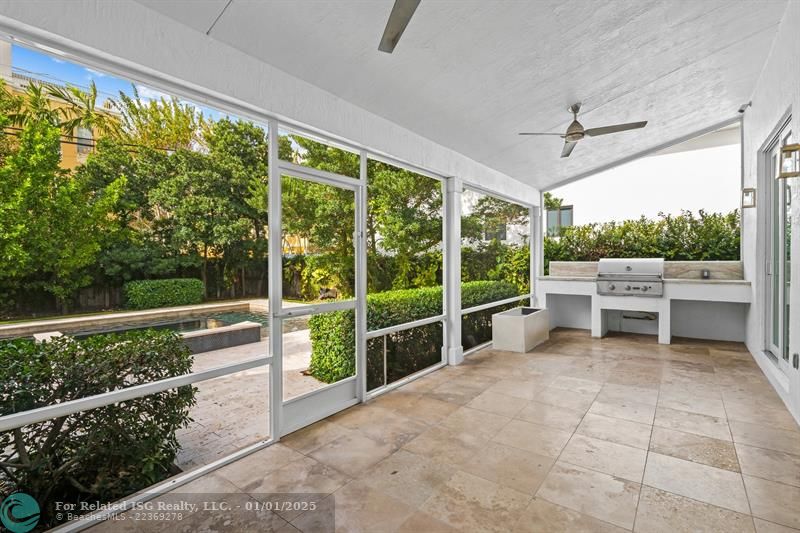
[150,293]
[476,328]
[333,334]
[686,237]
[333,342]
[104,453]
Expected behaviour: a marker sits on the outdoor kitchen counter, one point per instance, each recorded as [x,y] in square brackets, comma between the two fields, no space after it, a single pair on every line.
[666,280]
[723,291]
[708,281]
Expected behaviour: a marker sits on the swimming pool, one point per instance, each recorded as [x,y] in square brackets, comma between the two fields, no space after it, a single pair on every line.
[183,325]
[196,323]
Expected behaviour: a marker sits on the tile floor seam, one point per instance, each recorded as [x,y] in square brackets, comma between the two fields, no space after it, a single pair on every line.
[772,427]
[564,461]
[582,513]
[736,453]
[699,501]
[646,459]
[306,455]
[747,493]
[775,523]
[456,470]
[693,460]
[707,503]
[771,480]
[555,460]
[694,433]
[624,419]
[550,470]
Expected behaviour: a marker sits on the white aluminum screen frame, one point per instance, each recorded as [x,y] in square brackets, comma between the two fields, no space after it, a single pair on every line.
[91,57]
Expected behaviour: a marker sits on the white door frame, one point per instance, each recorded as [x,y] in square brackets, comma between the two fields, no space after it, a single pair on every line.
[295,413]
[775,207]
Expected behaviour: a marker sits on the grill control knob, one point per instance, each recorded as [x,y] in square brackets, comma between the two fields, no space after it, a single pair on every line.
[627,287]
[612,287]
[644,288]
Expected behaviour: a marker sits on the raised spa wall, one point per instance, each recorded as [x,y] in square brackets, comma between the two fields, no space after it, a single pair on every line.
[78,323]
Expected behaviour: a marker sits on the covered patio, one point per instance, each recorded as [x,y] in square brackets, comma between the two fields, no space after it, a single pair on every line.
[617,434]
[664,401]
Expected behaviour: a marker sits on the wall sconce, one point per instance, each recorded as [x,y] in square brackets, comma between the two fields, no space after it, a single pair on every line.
[790,161]
[748,197]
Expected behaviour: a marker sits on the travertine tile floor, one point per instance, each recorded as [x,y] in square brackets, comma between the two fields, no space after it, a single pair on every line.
[580,435]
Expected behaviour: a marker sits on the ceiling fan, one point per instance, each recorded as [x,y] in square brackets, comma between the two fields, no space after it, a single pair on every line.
[401,14]
[576,132]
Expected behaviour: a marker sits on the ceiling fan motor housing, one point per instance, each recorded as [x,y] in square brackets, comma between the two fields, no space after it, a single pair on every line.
[574,132]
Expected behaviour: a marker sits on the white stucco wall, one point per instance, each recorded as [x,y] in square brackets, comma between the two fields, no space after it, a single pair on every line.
[723,321]
[146,45]
[777,91]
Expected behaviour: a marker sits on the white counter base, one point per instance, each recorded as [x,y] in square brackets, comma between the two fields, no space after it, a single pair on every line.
[583,291]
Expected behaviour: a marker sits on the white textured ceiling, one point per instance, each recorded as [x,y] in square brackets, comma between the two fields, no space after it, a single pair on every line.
[470,74]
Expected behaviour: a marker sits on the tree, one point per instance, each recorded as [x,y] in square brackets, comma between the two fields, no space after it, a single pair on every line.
[53,222]
[164,124]
[80,110]
[33,107]
[552,203]
[405,213]
[237,151]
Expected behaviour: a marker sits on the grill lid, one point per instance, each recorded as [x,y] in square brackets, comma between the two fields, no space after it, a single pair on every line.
[633,267]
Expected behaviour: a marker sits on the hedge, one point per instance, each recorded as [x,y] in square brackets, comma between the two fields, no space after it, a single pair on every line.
[104,453]
[150,293]
[684,237]
[333,334]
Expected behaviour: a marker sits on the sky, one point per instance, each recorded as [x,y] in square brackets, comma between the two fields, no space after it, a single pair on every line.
[50,68]
[706,179]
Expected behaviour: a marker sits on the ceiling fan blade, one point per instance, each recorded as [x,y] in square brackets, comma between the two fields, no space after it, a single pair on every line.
[568,147]
[605,130]
[537,133]
[401,14]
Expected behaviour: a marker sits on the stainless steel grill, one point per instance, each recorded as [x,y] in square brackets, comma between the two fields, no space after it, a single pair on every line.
[631,277]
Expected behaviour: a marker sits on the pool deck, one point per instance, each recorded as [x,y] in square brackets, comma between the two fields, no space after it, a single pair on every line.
[233,411]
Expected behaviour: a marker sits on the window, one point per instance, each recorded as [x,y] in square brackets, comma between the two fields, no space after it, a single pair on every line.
[495,262]
[404,273]
[558,219]
[84,140]
[495,233]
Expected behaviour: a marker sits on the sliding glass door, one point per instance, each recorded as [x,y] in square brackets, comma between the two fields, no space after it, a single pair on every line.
[779,203]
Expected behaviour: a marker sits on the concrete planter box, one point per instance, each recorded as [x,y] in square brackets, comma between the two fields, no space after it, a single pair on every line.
[520,329]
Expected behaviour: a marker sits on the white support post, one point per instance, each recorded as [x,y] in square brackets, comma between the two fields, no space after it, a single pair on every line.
[361,280]
[541,231]
[275,289]
[533,245]
[452,269]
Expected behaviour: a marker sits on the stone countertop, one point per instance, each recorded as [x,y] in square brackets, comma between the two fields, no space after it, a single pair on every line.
[566,278]
[708,281]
